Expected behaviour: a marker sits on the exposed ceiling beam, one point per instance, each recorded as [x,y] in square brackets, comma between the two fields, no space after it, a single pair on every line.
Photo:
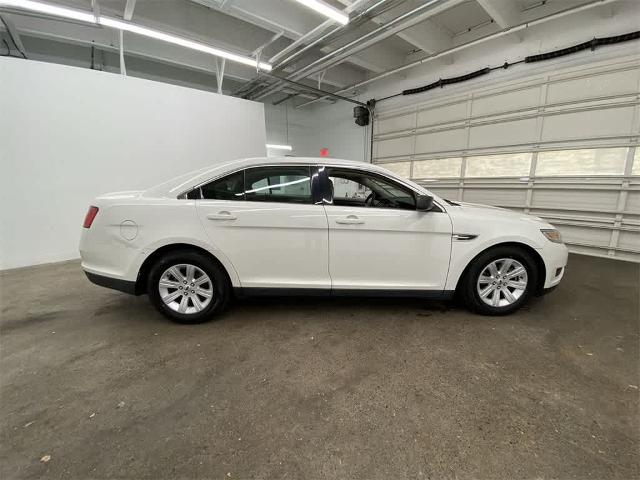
[259,20]
[398,24]
[312,35]
[128,9]
[374,61]
[220,74]
[274,22]
[505,13]
[259,50]
[339,77]
[127,15]
[107,40]
[95,6]
[263,22]
[377,58]
[517,28]
[428,36]
[358,61]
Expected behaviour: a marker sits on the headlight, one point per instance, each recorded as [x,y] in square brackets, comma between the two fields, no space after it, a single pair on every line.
[552,234]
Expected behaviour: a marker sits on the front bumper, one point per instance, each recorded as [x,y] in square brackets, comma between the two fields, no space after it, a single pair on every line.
[545,291]
[555,257]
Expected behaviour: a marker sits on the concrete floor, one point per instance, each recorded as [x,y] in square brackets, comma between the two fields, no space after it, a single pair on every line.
[312,388]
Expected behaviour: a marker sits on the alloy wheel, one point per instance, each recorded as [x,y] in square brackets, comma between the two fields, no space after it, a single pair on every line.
[185,288]
[502,282]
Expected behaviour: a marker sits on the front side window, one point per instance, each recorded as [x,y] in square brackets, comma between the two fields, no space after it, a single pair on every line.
[353,188]
[289,184]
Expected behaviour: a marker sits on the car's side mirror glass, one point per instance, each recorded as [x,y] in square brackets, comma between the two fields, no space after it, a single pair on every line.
[424,203]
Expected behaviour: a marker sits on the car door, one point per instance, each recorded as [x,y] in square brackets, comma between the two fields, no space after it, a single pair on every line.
[266,222]
[377,238]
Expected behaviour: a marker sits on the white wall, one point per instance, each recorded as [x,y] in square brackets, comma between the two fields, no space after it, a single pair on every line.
[68,134]
[308,130]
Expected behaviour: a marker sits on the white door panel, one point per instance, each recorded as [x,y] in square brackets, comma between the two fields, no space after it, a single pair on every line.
[270,244]
[391,249]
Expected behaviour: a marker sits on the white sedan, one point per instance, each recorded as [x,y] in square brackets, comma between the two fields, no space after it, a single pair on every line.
[312,226]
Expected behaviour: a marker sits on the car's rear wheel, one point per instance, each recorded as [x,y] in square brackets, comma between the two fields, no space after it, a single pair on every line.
[500,281]
[188,287]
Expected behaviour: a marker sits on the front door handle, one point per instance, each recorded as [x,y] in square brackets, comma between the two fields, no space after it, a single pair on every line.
[224,215]
[350,220]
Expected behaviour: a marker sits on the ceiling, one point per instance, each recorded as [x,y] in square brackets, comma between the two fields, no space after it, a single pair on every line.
[302,45]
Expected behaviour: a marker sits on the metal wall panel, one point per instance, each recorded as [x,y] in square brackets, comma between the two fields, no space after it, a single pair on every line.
[403,122]
[441,115]
[593,123]
[564,147]
[395,147]
[511,100]
[441,141]
[594,85]
[503,133]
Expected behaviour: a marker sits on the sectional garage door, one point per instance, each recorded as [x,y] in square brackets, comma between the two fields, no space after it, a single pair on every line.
[562,146]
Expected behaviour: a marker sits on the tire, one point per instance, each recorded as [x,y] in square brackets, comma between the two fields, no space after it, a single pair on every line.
[180,269]
[479,294]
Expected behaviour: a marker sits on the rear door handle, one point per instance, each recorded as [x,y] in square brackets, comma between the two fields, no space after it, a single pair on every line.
[350,220]
[221,216]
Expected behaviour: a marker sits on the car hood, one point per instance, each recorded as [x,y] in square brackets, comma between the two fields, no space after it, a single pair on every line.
[487,213]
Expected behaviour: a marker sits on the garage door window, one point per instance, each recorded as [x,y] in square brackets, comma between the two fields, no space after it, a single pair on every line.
[438,168]
[505,165]
[591,161]
[278,184]
[399,168]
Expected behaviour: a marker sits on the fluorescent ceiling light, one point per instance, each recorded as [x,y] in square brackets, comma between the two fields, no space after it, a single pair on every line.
[183,42]
[133,28]
[326,10]
[50,9]
[279,147]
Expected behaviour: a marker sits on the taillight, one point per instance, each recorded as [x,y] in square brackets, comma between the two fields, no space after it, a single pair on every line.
[91,214]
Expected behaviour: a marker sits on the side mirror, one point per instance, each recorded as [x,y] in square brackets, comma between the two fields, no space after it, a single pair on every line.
[424,203]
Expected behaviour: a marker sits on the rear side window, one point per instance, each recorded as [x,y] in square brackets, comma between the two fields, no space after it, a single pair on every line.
[288,184]
[225,188]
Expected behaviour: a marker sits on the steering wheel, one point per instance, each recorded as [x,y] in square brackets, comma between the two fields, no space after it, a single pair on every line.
[372,201]
[369,200]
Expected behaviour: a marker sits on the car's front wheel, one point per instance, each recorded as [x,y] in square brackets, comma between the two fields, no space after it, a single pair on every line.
[188,287]
[500,281]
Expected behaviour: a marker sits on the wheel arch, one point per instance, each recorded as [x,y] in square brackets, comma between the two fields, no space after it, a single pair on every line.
[143,272]
[542,270]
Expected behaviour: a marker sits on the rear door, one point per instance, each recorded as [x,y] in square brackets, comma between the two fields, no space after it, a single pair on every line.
[377,238]
[266,222]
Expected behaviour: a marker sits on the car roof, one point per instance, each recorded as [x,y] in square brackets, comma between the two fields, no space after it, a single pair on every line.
[176,186]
